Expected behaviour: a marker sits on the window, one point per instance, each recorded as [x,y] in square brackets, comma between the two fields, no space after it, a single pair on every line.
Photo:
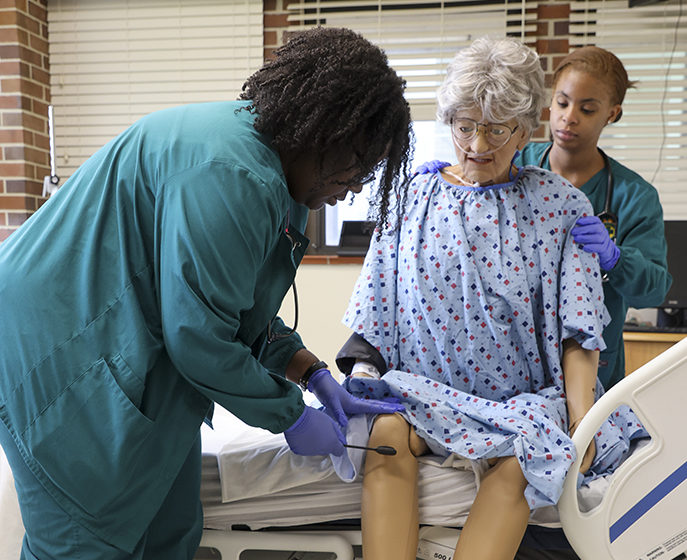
[113,62]
[651,41]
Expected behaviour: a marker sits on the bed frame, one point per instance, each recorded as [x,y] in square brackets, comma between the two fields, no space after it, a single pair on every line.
[643,515]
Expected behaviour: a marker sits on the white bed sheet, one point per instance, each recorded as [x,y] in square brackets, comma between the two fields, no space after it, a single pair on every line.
[251,478]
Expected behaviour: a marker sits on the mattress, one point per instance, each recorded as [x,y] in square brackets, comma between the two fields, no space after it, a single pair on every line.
[251,479]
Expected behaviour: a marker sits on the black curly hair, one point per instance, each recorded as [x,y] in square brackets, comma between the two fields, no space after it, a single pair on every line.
[328,89]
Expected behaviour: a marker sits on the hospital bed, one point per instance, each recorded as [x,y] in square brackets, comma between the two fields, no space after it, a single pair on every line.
[638,513]
[257,496]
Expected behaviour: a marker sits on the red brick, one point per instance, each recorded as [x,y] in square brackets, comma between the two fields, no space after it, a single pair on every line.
[38,43]
[38,11]
[8,17]
[5,233]
[35,123]
[553,11]
[41,141]
[16,186]
[8,35]
[10,85]
[12,169]
[561,28]
[14,202]
[275,20]
[40,75]
[10,52]
[552,46]
[3,217]
[10,68]
[18,218]
[269,5]
[12,136]
[10,102]
[25,22]
[270,38]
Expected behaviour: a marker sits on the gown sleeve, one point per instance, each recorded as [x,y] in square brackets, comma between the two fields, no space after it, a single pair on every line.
[211,247]
[581,310]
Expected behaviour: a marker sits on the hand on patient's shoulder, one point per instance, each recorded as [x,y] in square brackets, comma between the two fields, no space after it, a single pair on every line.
[592,235]
[432,166]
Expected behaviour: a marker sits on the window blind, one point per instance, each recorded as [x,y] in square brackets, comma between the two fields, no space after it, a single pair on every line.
[419,37]
[651,41]
[113,61]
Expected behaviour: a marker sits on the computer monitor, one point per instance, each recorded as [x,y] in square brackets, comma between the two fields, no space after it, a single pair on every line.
[673,311]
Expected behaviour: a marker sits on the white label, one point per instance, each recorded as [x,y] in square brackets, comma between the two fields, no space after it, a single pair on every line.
[674,548]
[428,550]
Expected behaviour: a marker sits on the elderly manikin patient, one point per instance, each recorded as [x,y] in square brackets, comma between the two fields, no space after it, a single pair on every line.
[483,318]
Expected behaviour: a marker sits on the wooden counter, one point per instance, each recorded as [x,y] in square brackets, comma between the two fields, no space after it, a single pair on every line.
[642,347]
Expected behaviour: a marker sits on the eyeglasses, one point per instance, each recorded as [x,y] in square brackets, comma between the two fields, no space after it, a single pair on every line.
[465,130]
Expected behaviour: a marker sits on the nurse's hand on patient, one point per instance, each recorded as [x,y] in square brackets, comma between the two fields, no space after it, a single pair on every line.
[315,433]
[432,166]
[340,404]
[591,233]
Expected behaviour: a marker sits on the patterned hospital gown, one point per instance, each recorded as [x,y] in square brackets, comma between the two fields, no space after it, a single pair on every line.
[469,302]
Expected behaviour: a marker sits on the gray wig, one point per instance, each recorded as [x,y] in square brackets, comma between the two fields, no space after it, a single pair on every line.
[502,77]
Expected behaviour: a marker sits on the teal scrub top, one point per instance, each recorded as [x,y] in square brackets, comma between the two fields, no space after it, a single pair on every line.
[640,278]
[135,297]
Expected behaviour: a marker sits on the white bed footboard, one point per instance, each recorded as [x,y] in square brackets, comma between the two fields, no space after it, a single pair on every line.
[643,515]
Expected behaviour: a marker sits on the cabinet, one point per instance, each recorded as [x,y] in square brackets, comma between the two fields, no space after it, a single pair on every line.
[642,347]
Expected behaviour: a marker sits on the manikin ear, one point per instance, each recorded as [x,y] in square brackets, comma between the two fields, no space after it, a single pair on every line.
[524,139]
[615,114]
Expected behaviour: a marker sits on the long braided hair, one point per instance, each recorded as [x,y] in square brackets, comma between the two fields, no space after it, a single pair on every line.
[330,88]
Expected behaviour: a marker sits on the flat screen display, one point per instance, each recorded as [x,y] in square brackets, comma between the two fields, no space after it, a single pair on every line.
[676,237]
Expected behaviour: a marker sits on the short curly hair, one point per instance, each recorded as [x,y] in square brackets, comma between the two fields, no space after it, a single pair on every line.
[330,87]
[502,77]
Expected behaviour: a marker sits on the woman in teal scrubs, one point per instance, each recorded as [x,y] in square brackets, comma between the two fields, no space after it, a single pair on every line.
[589,86]
[147,288]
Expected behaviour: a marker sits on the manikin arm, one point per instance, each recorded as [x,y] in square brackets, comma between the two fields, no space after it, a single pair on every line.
[579,373]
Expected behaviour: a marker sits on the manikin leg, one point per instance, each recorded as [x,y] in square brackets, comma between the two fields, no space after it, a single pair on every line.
[390,495]
[498,517]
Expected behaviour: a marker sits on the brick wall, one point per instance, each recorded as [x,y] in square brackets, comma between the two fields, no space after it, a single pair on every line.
[24,98]
[552,44]
[275,25]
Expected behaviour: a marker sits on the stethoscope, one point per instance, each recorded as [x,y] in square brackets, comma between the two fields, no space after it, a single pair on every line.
[608,218]
[271,335]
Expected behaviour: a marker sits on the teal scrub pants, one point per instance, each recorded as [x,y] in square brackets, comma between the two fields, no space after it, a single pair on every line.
[51,534]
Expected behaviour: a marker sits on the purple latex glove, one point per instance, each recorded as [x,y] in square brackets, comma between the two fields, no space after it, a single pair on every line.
[315,433]
[431,166]
[340,404]
[590,232]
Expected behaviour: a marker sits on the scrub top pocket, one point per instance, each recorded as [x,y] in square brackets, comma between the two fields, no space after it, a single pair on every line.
[91,437]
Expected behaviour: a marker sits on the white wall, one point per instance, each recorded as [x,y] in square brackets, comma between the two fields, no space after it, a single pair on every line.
[323,293]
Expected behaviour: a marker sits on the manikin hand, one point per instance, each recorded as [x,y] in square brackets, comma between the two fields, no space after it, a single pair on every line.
[432,166]
[315,433]
[589,454]
[590,232]
[340,404]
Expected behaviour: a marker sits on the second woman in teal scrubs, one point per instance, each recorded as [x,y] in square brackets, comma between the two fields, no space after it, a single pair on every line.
[588,90]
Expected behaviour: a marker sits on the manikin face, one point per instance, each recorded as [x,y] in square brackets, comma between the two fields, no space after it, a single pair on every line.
[482,160]
[581,107]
